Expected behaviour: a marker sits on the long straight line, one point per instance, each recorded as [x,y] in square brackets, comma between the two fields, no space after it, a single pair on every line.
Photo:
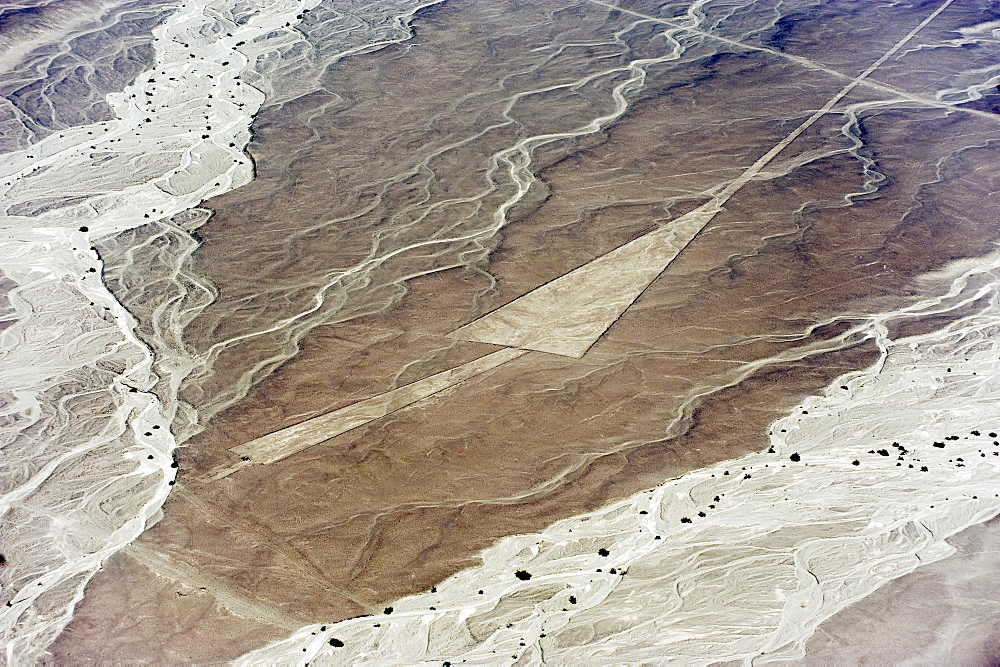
[811,64]
[235,600]
[755,168]
[888,54]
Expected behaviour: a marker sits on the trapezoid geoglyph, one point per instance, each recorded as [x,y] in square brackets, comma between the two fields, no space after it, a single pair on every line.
[569,314]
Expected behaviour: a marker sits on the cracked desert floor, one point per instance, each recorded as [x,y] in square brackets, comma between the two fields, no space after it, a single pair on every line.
[495,332]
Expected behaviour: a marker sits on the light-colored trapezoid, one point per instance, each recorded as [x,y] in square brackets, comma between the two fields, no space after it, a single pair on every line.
[568,315]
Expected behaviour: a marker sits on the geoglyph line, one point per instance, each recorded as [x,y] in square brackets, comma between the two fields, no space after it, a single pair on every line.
[811,64]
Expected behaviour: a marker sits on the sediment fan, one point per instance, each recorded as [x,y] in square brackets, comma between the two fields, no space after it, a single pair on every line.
[565,316]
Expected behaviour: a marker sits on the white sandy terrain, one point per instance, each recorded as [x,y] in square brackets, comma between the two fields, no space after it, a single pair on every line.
[87,447]
[88,443]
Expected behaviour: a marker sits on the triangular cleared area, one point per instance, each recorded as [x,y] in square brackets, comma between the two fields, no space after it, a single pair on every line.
[568,315]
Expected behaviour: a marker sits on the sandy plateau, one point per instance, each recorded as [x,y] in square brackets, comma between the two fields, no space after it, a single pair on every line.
[563,332]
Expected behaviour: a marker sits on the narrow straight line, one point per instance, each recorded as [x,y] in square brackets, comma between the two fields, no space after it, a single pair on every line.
[755,168]
[805,62]
[235,600]
[908,37]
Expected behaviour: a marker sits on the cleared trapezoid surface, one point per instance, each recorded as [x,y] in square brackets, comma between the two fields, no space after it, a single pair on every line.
[569,314]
